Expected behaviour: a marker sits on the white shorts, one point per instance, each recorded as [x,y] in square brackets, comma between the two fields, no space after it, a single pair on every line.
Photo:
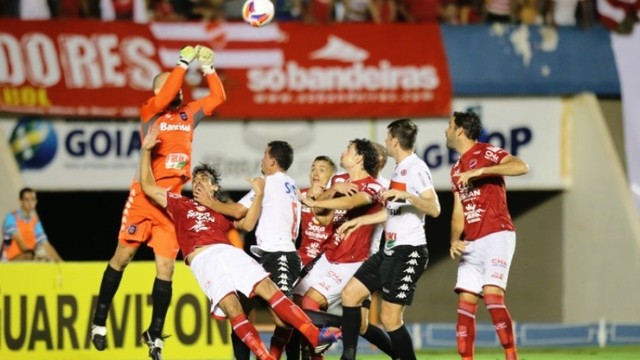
[486,261]
[328,279]
[222,269]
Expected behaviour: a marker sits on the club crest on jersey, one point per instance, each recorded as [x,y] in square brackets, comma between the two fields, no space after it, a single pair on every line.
[183,116]
[403,172]
[201,208]
[473,163]
[132,229]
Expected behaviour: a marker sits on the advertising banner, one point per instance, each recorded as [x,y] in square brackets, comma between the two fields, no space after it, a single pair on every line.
[282,71]
[46,311]
[94,155]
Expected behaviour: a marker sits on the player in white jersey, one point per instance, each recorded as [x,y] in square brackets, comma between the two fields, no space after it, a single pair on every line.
[277,229]
[396,270]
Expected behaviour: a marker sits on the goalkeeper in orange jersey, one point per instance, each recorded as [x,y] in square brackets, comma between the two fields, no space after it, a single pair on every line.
[142,221]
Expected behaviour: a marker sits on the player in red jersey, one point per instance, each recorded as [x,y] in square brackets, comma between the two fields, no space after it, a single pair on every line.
[221,269]
[142,221]
[314,235]
[324,282]
[482,232]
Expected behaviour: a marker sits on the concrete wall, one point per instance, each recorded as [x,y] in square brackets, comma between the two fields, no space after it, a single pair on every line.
[601,233]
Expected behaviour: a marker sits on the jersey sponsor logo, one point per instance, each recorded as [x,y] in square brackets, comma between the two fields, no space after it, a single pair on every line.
[398,186]
[201,220]
[468,194]
[175,127]
[290,188]
[394,212]
[472,214]
[176,161]
[335,276]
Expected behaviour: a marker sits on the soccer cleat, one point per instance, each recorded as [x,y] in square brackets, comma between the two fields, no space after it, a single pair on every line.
[155,344]
[326,337]
[98,337]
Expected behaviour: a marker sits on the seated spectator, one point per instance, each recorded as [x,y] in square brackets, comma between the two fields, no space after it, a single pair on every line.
[163,10]
[360,11]
[287,10]
[34,10]
[319,11]
[386,11]
[23,235]
[209,10]
[420,11]
[499,11]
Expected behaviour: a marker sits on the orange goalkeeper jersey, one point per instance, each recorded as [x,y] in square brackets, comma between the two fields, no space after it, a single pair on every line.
[171,158]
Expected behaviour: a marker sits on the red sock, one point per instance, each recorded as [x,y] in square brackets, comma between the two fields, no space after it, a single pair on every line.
[466,328]
[502,322]
[294,316]
[310,304]
[279,340]
[249,335]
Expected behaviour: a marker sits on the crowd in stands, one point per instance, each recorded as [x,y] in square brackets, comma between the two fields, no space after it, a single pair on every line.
[549,12]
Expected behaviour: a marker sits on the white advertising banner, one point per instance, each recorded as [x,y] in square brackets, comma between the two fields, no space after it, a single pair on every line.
[626,49]
[60,155]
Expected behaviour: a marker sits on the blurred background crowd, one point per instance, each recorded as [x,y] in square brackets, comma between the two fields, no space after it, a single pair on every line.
[581,13]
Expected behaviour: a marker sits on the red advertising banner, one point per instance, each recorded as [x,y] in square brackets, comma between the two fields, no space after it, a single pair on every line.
[281,71]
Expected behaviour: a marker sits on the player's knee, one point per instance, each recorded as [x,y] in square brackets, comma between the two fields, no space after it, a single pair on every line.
[352,296]
[390,320]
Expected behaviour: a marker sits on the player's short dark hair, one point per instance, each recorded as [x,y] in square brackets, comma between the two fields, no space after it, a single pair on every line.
[469,122]
[366,149]
[282,152]
[208,169]
[406,131]
[24,191]
[326,159]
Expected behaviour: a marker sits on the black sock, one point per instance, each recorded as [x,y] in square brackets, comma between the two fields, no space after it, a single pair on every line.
[108,288]
[351,318]
[402,343]
[293,346]
[161,296]
[322,318]
[379,338]
[240,350]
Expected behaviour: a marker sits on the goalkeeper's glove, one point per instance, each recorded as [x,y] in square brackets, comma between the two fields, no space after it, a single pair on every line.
[187,54]
[206,57]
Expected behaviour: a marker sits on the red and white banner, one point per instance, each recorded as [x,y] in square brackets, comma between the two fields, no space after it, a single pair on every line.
[282,71]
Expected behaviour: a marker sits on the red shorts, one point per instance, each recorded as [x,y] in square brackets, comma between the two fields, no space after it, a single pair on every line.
[145,222]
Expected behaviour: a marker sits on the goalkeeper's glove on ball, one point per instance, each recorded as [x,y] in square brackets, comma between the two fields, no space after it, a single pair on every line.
[187,54]
[206,57]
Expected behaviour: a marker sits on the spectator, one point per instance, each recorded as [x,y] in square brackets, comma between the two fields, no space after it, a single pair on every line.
[420,11]
[319,11]
[209,10]
[23,234]
[498,11]
[34,10]
[163,10]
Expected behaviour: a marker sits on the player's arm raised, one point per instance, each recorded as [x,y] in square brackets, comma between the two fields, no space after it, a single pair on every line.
[171,87]
[147,181]
[206,105]
[248,223]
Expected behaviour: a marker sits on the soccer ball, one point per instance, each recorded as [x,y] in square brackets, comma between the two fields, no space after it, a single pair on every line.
[258,13]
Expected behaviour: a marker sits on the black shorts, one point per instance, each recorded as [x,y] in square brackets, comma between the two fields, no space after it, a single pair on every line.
[394,275]
[284,268]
